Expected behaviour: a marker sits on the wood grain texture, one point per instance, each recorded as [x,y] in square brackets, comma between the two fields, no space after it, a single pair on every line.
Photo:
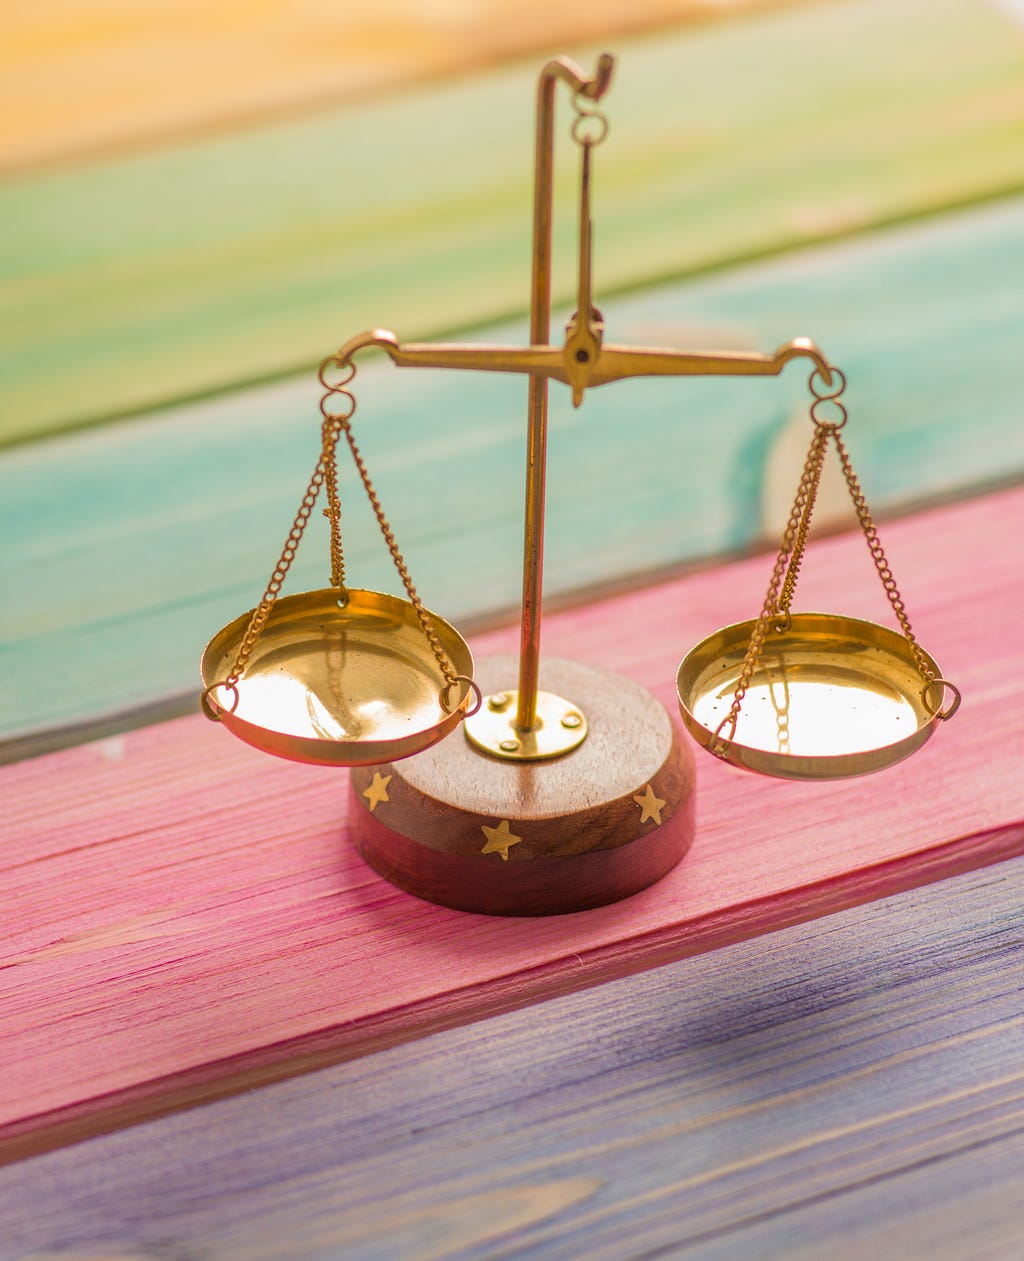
[186,917]
[846,1088]
[586,829]
[78,76]
[129,546]
[146,279]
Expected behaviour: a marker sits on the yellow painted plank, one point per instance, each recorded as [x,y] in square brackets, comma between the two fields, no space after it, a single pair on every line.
[80,75]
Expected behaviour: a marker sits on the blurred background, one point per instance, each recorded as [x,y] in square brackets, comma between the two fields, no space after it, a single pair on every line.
[199,201]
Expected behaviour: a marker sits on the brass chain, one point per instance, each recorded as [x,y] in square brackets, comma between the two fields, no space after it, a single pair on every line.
[777,602]
[326,475]
[881,563]
[403,572]
[332,512]
[258,621]
[796,530]
[808,494]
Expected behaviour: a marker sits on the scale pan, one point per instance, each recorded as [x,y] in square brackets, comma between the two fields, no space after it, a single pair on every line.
[831,697]
[336,686]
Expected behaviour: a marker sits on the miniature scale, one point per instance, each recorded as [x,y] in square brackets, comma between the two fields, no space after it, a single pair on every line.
[571,788]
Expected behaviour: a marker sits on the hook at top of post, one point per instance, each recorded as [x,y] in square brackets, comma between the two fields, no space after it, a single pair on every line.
[593,87]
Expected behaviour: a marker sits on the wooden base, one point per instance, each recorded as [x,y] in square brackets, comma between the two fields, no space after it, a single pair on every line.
[459,827]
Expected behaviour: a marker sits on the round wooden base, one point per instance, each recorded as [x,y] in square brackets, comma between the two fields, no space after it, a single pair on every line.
[459,827]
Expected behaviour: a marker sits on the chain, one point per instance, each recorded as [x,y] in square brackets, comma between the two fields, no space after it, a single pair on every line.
[326,475]
[808,492]
[881,564]
[791,552]
[342,423]
[389,538]
[260,614]
[335,419]
[291,546]
[326,471]
[793,536]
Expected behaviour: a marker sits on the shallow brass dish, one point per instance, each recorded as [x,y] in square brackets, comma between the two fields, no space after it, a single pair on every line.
[830,697]
[340,686]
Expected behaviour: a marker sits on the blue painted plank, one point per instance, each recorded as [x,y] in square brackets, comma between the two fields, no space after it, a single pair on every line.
[127,547]
[846,1088]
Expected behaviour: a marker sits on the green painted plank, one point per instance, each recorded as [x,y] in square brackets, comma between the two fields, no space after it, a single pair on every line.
[145,279]
[846,1088]
[126,547]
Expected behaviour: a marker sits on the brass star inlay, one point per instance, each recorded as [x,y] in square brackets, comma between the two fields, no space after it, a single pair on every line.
[378,790]
[499,839]
[650,806]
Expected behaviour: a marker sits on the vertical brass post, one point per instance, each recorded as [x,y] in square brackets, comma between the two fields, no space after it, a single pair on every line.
[540,330]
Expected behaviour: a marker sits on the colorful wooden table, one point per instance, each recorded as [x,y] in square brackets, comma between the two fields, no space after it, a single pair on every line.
[221,1034]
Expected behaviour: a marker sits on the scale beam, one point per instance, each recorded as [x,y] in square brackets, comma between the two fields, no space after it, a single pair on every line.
[607,364]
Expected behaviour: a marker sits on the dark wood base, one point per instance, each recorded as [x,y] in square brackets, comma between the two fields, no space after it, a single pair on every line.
[459,827]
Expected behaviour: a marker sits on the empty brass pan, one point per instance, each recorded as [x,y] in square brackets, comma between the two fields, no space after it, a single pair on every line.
[830,697]
[339,684]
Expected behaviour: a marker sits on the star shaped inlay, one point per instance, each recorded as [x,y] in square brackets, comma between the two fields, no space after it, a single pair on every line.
[499,839]
[378,790]
[650,806]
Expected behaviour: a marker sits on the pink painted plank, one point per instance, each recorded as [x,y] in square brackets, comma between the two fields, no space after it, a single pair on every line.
[184,918]
[845,1089]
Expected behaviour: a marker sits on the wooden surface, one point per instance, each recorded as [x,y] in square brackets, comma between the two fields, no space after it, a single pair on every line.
[184,918]
[208,492]
[242,938]
[847,1088]
[203,266]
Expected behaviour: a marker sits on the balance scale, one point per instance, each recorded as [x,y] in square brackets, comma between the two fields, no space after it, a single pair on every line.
[569,787]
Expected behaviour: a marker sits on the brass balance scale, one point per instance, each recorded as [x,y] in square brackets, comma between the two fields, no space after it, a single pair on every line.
[577,793]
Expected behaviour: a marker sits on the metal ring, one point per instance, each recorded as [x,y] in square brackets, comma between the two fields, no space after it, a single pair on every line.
[446,692]
[332,361]
[783,621]
[935,710]
[338,416]
[207,703]
[829,393]
[830,426]
[584,116]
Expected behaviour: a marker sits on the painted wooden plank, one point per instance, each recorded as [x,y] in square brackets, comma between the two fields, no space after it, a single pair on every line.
[846,1088]
[129,546]
[157,70]
[150,278]
[186,917]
